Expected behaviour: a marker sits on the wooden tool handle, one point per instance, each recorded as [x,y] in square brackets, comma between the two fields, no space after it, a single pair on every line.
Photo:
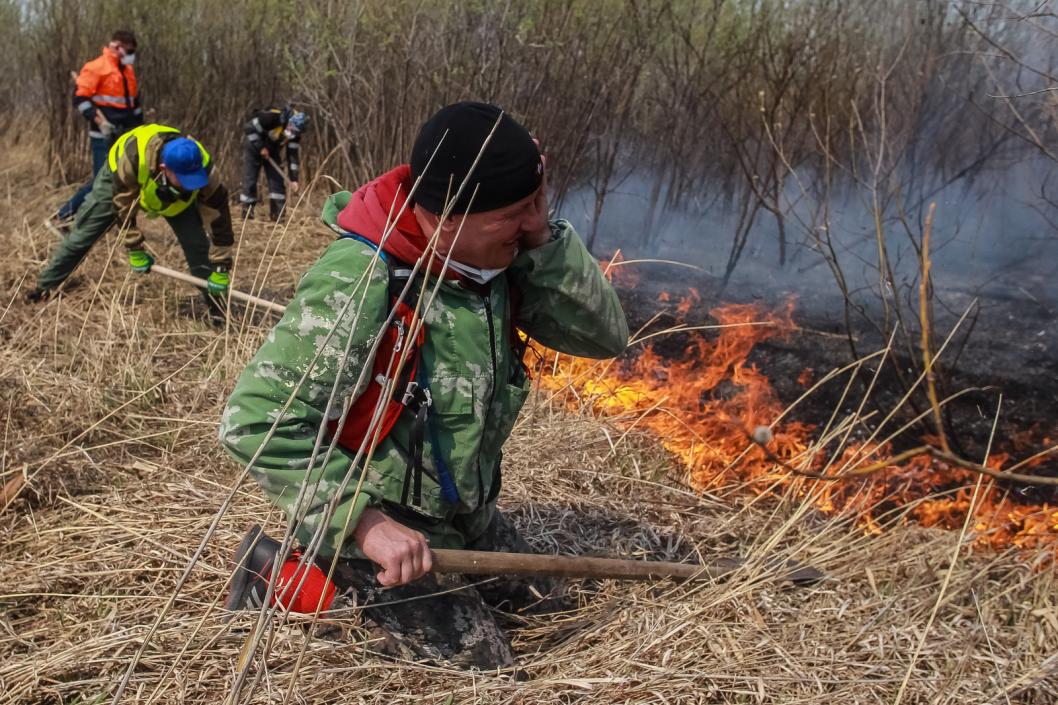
[195,281]
[528,564]
[203,284]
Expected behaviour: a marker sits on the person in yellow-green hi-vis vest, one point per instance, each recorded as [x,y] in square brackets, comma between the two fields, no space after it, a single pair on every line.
[162,172]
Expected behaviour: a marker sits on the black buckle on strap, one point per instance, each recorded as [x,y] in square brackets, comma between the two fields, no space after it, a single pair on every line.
[416,399]
[416,396]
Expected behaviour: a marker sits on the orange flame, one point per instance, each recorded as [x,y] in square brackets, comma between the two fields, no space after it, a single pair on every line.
[706,405]
[689,302]
[805,378]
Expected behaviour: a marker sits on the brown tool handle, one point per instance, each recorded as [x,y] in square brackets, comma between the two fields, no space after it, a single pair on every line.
[203,284]
[286,179]
[195,281]
[527,564]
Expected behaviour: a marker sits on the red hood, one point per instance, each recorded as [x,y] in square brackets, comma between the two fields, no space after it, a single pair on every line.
[369,210]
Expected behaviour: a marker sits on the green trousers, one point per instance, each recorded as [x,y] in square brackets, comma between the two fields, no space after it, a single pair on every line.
[94,218]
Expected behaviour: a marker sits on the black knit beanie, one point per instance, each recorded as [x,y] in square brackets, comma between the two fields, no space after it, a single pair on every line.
[509,170]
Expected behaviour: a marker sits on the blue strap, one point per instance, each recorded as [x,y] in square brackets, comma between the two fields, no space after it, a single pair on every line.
[346,235]
[444,475]
[448,487]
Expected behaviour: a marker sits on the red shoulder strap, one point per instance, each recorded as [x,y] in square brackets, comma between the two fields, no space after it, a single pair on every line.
[387,357]
[358,420]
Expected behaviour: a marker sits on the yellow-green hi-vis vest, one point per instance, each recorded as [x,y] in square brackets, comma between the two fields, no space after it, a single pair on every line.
[149,199]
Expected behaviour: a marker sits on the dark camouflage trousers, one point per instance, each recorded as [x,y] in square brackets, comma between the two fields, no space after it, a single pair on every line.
[450,618]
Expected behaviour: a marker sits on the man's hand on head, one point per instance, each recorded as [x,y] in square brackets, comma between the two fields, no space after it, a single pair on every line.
[402,552]
[540,230]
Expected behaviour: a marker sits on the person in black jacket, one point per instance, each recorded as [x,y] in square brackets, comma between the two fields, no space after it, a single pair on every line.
[267,132]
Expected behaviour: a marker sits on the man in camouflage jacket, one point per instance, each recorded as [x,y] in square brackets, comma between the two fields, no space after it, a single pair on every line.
[510,267]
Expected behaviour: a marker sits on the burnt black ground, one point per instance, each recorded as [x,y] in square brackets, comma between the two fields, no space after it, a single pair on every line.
[1009,352]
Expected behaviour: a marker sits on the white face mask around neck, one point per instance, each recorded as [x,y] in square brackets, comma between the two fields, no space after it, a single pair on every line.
[481,276]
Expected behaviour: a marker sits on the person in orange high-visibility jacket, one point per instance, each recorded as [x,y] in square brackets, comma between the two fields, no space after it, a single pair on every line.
[107,96]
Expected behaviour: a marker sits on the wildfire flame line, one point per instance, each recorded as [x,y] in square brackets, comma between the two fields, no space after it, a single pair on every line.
[705,405]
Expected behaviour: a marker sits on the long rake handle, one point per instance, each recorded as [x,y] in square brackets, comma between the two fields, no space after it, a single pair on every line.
[203,284]
[526,564]
[200,283]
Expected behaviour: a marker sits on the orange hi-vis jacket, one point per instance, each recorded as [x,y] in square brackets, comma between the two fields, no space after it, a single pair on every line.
[105,84]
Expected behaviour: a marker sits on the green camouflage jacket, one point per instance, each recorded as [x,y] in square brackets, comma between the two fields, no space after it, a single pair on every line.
[476,386]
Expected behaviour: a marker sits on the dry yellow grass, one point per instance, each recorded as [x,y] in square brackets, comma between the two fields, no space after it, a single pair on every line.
[109,400]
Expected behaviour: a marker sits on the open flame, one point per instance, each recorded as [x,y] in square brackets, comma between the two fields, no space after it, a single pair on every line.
[706,405]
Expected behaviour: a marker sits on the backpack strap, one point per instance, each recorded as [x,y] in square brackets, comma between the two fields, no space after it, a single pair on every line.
[418,401]
[414,393]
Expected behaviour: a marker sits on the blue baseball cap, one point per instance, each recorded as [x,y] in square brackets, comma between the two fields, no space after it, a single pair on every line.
[184,158]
